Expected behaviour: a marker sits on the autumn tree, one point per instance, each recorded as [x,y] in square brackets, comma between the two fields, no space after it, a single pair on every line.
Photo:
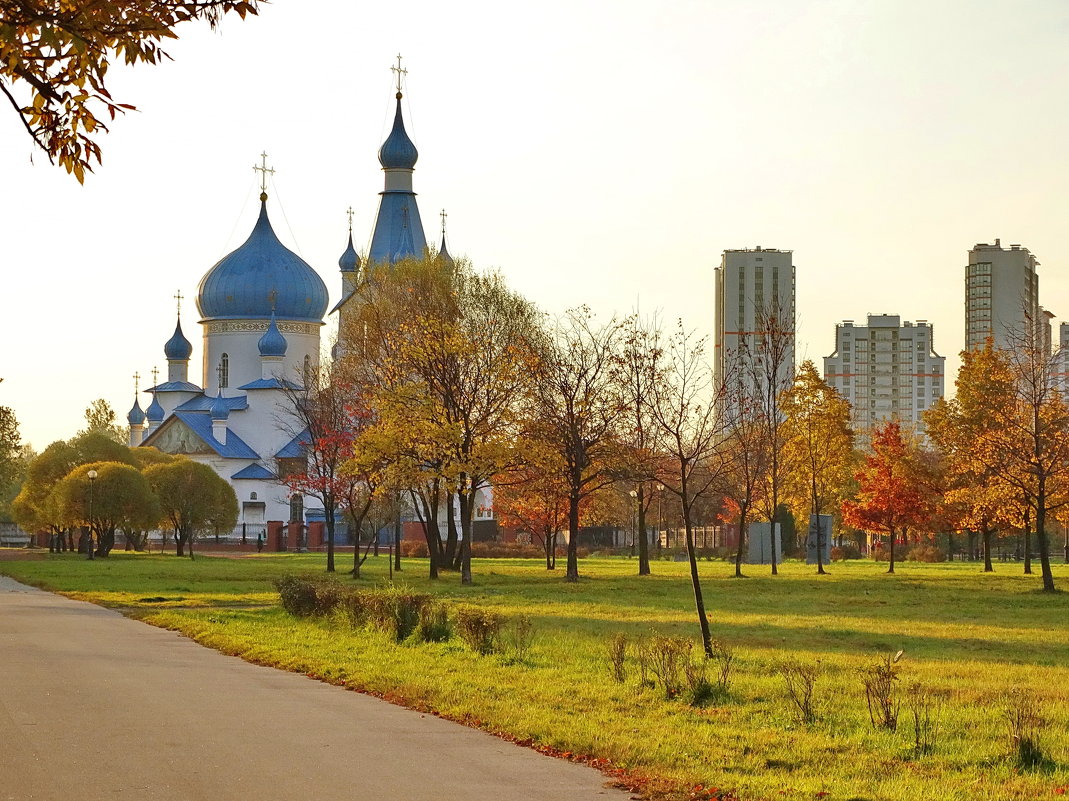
[686,405]
[745,431]
[193,499]
[890,498]
[118,497]
[100,419]
[10,445]
[818,447]
[577,409]
[533,497]
[54,58]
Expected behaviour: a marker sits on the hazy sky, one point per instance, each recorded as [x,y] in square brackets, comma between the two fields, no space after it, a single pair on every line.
[599,153]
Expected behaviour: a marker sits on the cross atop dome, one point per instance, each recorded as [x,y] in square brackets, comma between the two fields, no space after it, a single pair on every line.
[178,297]
[400,72]
[263,169]
[137,383]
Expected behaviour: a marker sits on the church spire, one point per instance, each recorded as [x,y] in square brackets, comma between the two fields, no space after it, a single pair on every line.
[443,251]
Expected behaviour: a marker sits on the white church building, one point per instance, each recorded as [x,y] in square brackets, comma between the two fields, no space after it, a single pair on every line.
[262,309]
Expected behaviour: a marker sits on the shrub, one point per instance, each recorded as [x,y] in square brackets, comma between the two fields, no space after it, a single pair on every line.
[845,551]
[506,550]
[879,682]
[724,657]
[882,553]
[305,597]
[1026,724]
[414,549]
[479,628]
[391,610]
[517,637]
[618,657]
[433,623]
[926,553]
[800,680]
[664,656]
[353,608]
[924,707]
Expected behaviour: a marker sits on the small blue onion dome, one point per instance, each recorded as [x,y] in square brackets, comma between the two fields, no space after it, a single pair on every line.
[155,410]
[242,284]
[349,261]
[398,152]
[178,347]
[219,410]
[443,254]
[136,417]
[272,343]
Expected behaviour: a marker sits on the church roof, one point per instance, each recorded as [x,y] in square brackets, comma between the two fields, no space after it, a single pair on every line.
[201,425]
[178,347]
[398,152]
[202,403]
[294,449]
[398,229]
[136,417]
[175,386]
[349,261]
[270,383]
[257,471]
[262,276]
[272,343]
[155,410]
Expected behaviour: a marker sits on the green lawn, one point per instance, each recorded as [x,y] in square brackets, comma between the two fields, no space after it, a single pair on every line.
[970,637]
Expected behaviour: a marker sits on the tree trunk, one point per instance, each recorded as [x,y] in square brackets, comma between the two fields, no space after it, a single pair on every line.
[699,601]
[1028,545]
[1044,544]
[180,543]
[987,551]
[572,574]
[891,569]
[466,503]
[451,540]
[397,536]
[742,539]
[328,509]
[643,539]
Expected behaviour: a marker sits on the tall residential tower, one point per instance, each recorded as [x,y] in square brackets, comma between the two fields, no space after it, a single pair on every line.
[1001,295]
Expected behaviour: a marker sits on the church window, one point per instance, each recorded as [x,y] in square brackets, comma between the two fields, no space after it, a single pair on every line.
[224,371]
[252,496]
[297,509]
[307,370]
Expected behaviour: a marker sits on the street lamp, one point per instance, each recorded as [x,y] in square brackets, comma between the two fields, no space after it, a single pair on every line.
[92,476]
[660,517]
[634,519]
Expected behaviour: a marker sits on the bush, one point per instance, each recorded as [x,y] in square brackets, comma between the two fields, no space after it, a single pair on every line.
[724,657]
[433,623]
[479,628]
[618,657]
[924,707]
[304,597]
[846,551]
[926,553]
[880,695]
[801,680]
[415,549]
[664,656]
[517,637]
[1026,724]
[882,553]
[391,610]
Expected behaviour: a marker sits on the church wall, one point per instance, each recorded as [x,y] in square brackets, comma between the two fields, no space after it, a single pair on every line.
[238,339]
[266,426]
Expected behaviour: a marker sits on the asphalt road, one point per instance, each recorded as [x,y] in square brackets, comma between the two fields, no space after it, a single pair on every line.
[96,706]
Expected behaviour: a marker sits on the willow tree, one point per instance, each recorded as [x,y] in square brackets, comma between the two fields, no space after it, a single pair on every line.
[115,496]
[193,499]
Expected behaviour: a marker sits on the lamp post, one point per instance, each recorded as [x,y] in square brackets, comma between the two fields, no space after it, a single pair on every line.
[92,476]
[634,520]
[660,517]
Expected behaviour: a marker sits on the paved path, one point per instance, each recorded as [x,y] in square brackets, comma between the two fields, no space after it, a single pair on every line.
[97,706]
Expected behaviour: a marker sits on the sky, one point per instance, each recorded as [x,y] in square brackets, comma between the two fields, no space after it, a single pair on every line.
[594,153]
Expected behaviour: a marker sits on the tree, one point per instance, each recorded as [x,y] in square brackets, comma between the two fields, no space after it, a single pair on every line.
[747,471]
[686,407]
[10,445]
[119,497]
[193,499]
[54,58]
[890,497]
[100,419]
[576,410]
[34,508]
[534,498]
[818,446]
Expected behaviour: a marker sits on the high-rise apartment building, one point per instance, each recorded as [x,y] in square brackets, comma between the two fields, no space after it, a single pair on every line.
[1001,295]
[754,295]
[886,369]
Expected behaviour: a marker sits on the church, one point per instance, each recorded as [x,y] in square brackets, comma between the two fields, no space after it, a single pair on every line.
[262,309]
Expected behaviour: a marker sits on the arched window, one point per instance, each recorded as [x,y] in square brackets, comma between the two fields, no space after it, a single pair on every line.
[252,496]
[307,370]
[297,509]
[224,371]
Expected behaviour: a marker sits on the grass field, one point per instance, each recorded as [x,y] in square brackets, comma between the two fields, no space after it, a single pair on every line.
[970,638]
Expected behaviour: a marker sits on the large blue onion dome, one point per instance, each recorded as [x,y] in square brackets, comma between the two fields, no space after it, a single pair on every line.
[272,343]
[178,347]
[349,261]
[155,410]
[262,276]
[136,417]
[398,152]
[219,410]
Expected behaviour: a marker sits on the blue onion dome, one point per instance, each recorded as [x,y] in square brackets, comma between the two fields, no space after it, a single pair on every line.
[398,152]
[136,417]
[219,410]
[155,410]
[349,261]
[272,343]
[262,276]
[443,254]
[178,347]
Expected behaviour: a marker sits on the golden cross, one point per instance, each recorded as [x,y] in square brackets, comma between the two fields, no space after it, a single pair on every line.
[350,212]
[178,297]
[155,374]
[400,71]
[443,215]
[137,383]
[263,169]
